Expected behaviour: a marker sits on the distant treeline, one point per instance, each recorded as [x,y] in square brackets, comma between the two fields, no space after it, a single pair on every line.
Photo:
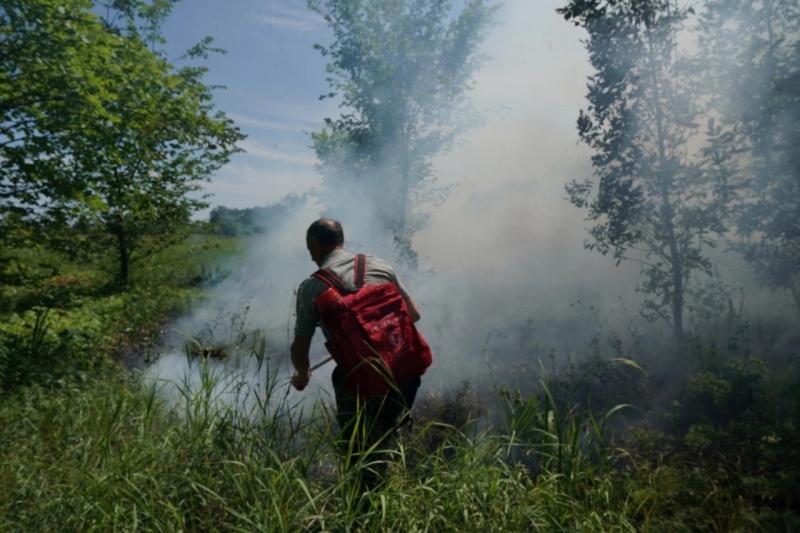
[231,222]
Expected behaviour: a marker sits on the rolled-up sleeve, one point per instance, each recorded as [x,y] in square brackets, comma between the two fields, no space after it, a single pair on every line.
[306,316]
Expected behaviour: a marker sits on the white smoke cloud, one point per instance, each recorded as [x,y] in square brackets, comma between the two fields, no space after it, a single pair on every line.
[503,257]
[504,248]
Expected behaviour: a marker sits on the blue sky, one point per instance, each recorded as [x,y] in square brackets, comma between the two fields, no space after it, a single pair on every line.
[273,78]
[507,214]
[511,168]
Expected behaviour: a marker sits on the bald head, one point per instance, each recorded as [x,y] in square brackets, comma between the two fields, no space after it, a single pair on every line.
[326,232]
[323,236]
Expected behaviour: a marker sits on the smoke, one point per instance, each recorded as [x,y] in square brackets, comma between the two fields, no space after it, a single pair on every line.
[504,277]
[258,295]
[502,254]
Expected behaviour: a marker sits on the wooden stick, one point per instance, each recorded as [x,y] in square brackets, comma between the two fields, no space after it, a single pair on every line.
[320,364]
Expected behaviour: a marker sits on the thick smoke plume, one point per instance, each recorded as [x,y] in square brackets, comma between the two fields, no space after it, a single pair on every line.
[503,276]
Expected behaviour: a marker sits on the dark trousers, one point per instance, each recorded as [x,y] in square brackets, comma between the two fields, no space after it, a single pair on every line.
[367,423]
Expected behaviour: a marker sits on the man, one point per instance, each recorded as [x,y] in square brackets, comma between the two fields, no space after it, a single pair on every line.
[380,414]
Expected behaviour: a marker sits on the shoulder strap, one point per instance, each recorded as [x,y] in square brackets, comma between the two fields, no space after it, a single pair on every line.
[331,280]
[360,270]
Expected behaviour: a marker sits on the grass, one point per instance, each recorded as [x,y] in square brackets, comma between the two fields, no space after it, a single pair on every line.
[122,460]
[60,318]
[89,446]
[109,454]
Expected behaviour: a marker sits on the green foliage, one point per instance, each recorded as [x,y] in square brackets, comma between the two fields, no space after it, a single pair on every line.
[649,201]
[56,326]
[56,82]
[230,222]
[135,465]
[124,458]
[89,446]
[104,141]
[728,441]
[401,70]
[562,442]
[750,60]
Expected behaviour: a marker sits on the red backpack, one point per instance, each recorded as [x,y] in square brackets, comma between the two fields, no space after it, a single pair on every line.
[371,335]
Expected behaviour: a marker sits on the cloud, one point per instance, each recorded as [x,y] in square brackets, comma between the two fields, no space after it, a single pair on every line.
[309,111]
[254,148]
[243,185]
[274,124]
[289,17]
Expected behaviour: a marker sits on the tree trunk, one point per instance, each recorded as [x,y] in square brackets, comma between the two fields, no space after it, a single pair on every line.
[668,213]
[124,257]
[795,288]
[402,236]
[677,305]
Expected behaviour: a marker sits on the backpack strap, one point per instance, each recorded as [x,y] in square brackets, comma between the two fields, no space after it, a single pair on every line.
[331,280]
[360,270]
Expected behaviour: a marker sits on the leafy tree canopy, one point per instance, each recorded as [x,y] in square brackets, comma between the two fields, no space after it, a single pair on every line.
[750,52]
[102,133]
[401,70]
[649,200]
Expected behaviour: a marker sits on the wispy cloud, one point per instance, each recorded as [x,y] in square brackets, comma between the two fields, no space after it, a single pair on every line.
[289,17]
[309,111]
[242,185]
[279,155]
[276,124]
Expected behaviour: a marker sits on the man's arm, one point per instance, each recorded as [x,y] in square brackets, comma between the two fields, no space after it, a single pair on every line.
[299,354]
[305,324]
[413,311]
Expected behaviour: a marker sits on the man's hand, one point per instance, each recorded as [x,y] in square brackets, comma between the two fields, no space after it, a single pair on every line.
[299,381]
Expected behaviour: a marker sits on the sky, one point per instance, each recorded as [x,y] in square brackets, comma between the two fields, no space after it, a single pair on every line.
[512,168]
[273,79]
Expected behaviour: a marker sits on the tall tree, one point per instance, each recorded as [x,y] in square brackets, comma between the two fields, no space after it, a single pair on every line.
[650,203]
[143,173]
[751,56]
[401,69]
[56,62]
[122,174]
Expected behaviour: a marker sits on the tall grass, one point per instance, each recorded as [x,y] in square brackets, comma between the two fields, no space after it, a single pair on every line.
[114,455]
[86,446]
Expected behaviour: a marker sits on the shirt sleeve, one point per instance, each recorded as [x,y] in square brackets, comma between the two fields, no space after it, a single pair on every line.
[401,287]
[393,276]
[306,316]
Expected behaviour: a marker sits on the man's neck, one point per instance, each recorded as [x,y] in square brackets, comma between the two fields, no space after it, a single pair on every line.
[327,255]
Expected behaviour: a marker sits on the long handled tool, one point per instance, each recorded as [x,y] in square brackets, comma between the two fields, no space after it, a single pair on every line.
[316,366]
[321,364]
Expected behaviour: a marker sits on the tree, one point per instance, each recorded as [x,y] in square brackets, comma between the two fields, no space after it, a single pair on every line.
[650,203]
[142,173]
[55,61]
[751,54]
[401,69]
[124,172]
[253,220]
